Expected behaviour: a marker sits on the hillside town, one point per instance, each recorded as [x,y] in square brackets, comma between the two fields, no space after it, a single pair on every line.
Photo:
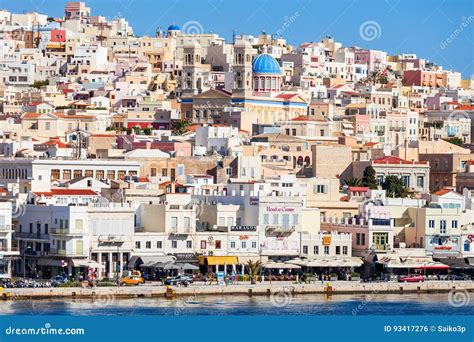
[184,152]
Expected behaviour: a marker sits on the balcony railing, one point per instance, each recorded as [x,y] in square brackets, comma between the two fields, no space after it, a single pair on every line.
[33,236]
[66,253]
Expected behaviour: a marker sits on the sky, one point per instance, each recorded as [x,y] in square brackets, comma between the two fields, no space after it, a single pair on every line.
[441,31]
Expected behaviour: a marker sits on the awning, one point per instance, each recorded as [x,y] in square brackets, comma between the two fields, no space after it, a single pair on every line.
[217,260]
[187,266]
[85,263]
[50,262]
[150,260]
[281,265]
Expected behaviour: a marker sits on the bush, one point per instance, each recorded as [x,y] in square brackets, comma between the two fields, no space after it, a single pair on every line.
[71,283]
[106,284]
[355,274]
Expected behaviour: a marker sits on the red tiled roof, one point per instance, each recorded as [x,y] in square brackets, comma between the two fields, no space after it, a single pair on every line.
[370,144]
[31,115]
[305,118]
[464,107]
[286,96]
[395,160]
[441,192]
[67,192]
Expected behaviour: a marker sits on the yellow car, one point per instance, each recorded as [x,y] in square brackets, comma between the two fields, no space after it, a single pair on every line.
[131,280]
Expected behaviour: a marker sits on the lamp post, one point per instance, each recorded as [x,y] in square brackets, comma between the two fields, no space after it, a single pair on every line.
[25,248]
[117,267]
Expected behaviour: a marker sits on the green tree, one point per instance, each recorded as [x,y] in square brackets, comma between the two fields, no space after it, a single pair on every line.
[39,84]
[394,186]
[369,178]
[179,127]
[254,270]
[147,131]
[455,141]
[353,182]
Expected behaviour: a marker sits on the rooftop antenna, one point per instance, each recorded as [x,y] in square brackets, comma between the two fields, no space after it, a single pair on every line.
[233,36]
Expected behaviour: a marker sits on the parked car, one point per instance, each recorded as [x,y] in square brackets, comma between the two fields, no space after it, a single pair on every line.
[58,280]
[131,280]
[178,280]
[414,278]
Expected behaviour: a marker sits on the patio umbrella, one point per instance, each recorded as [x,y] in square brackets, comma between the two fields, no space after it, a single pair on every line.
[281,265]
[188,267]
[171,267]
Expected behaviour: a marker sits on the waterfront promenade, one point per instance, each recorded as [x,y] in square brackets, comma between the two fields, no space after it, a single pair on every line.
[154,291]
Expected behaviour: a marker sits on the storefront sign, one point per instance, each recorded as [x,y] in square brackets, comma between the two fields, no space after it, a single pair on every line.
[185,257]
[253,200]
[447,248]
[280,209]
[326,240]
[470,237]
[243,228]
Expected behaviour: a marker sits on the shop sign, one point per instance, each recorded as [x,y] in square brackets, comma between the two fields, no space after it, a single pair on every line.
[253,200]
[280,209]
[326,240]
[470,237]
[446,248]
[243,228]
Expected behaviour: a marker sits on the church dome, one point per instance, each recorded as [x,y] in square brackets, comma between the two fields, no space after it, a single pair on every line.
[265,64]
[174,28]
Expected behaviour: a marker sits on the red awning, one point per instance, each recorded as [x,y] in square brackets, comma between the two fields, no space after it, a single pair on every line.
[433,267]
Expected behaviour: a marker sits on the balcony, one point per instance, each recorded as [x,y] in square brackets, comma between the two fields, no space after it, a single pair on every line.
[180,230]
[64,231]
[380,247]
[67,253]
[30,236]
[279,229]
[6,228]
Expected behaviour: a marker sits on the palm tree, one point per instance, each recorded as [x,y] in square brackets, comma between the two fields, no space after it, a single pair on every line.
[254,270]
[353,182]
[179,127]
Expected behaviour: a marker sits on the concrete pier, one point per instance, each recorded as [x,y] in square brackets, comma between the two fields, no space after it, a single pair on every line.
[262,289]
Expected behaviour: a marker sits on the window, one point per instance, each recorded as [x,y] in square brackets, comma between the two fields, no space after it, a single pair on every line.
[148,244]
[275,219]
[344,250]
[467,246]
[360,239]
[174,222]
[203,244]
[159,244]
[305,249]
[442,226]
[295,218]
[137,244]
[286,220]
[320,189]
[221,221]
[232,244]
[254,244]
[174,244]
[454,224]
[431,223]
[420,181]
[228,171]
[164,172]
[189,244]
[244,244]
[326,249]
[218,244]
[187,223]
[266,219]
[338,250]
[316,250]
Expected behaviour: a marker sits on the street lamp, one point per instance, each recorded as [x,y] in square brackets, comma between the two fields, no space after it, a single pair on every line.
[25,247]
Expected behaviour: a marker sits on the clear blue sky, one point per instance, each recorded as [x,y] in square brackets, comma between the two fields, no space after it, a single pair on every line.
[411,26]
